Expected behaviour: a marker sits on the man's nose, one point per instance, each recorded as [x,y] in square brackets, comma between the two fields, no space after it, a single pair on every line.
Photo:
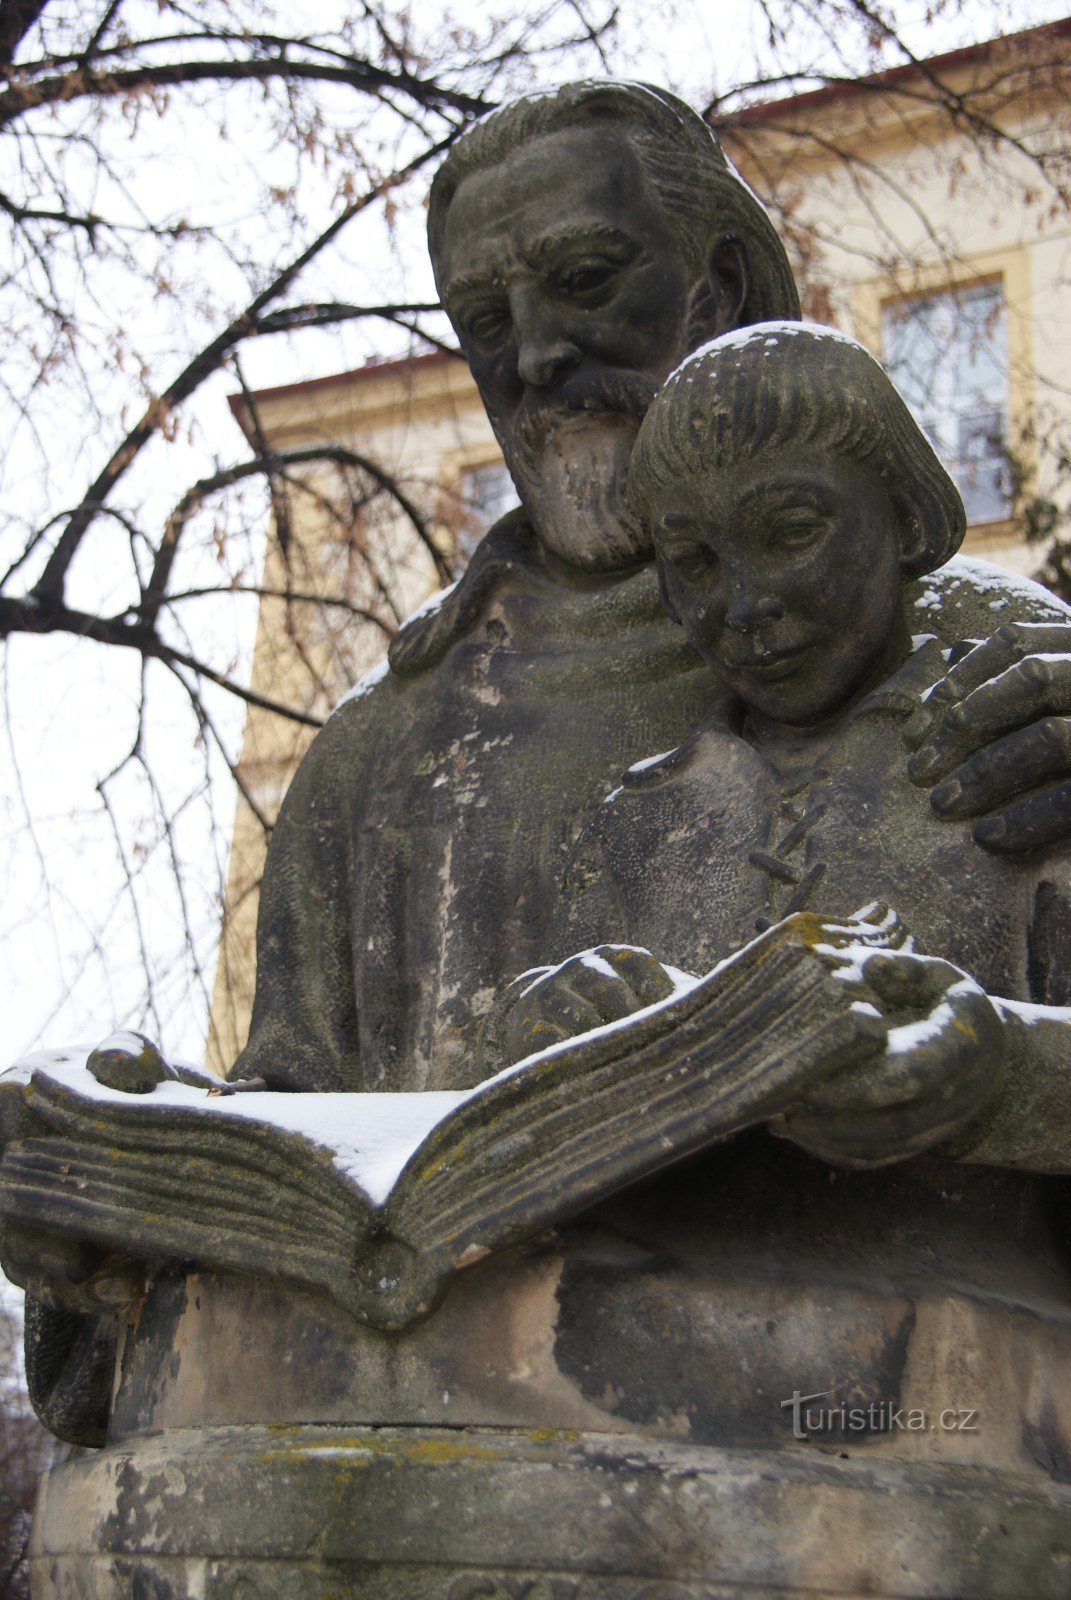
[545,352]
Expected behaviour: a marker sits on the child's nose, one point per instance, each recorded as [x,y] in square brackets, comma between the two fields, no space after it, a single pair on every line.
[748,608]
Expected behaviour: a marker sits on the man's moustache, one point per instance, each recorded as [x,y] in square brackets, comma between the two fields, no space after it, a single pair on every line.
[622,394]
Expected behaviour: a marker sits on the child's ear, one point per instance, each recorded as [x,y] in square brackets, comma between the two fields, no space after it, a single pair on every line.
[667,603]
[914,546]
[721,296]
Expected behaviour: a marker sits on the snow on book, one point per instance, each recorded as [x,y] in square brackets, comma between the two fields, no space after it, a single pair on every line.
[378,1199]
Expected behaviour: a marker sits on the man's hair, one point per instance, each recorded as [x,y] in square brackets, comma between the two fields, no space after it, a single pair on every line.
[703,195]
[790,383]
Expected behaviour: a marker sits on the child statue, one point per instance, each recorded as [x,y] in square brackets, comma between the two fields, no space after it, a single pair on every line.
[790,496]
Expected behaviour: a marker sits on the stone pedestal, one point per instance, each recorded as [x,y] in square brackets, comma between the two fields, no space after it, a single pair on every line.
[317,1513]
[598,1418]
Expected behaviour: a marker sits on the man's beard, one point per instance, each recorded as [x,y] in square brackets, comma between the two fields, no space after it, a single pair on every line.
[569,459]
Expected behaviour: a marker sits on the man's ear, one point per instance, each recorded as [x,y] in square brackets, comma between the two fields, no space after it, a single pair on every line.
[721,296]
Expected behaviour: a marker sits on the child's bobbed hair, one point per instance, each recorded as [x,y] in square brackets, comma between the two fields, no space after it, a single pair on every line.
[778,384]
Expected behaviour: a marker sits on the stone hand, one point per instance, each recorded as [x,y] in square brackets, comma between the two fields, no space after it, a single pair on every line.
[68,1274]
[994,736]
[598,986]
[941,1066]
[71,1274]
[548,1004]
[130,1062]
[842,940]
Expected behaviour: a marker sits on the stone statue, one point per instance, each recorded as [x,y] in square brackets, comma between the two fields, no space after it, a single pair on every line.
[629,1383]
[582,242]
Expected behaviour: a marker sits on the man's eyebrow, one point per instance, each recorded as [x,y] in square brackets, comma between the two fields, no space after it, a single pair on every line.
[547,244]
[472,283]
[572,233]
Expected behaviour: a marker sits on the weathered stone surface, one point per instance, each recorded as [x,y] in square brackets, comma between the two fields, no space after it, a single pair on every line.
[689,1309]
[533,1516]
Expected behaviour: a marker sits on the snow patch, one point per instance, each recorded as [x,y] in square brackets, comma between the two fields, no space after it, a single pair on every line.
[987,578]
[369,1137]
[651,761]
[1030,1014]
[131,1044]
[596,963]
[767,334]
[366,684]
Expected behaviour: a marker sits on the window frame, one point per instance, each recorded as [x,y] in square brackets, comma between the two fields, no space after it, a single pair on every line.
[1010,268]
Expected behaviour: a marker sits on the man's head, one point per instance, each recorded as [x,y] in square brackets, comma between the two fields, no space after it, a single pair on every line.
[583,242]
[789,493]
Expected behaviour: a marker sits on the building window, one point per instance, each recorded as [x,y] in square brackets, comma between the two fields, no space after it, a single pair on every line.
[485,493]
[947,354]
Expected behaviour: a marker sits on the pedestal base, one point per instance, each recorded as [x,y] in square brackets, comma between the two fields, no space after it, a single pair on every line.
[321,1513]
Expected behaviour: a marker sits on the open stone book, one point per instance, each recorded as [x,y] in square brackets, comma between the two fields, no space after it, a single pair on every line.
[378,1199]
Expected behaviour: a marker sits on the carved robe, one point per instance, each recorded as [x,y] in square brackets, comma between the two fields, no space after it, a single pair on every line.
[415,863]
[694,854]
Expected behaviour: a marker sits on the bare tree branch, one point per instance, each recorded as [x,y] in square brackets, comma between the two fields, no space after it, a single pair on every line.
[30,94]
[28,616]
[52,581]
[17,17]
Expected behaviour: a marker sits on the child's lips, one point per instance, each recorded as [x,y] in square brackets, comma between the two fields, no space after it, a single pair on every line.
[771,665]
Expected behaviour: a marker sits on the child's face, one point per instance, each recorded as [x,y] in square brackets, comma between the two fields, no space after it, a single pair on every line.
[785,572]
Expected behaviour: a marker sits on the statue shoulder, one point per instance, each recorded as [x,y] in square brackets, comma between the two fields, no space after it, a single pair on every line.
[426,636]
[351,743]
[969,599]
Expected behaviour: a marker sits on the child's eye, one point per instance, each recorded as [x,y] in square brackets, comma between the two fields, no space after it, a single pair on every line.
[591,276]
[691,560]
[796,533]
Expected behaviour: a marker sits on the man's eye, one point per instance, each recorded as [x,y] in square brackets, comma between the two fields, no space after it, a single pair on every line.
[587,277]
[488,328]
